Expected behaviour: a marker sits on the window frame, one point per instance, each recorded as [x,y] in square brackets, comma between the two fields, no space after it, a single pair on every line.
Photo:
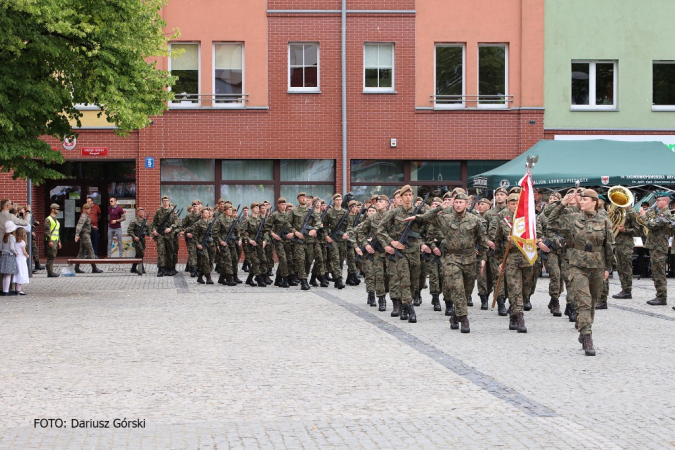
[461,105]
[380,90]
[180,104]
[592,85]
[304,90]
[242,101]
[506,76]
[660,107]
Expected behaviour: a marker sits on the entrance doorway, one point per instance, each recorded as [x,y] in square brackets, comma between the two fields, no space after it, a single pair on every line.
[100,181]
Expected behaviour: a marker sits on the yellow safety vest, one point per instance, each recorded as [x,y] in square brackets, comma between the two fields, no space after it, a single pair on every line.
[54,227]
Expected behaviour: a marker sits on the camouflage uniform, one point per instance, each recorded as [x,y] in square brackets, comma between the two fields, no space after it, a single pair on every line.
[517,270]
[198,230]
[337,253]
[657,243]
[276,223]
[484,278]
[553,260]
[289,246]
[190,243]
[366,233]
[83,230]
[255,254]
[304,251]
[220,230]
[624,250]
[350,254]
[134,231]
[164,241]
[493,216]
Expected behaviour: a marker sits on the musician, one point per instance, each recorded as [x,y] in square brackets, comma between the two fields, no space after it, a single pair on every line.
[590,255]
[624,246]
[659,225]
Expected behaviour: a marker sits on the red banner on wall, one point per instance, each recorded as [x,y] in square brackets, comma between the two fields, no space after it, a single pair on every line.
[94,151]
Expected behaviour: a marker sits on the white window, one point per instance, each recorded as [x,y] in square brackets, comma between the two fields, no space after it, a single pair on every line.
[663,86]
[378,68]
[303,67]
[449,65]
[493,76]
[184,63]
[228,75]
[593,85]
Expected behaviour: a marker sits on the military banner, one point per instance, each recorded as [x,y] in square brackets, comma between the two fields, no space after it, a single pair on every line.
[524,231]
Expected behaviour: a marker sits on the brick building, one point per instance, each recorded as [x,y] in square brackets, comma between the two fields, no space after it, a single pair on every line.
[258,111]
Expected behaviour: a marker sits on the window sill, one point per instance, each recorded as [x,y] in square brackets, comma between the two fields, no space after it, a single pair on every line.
[87,108]
[379,92]
[594,109]
[663,108]
[184,106]
[292,91]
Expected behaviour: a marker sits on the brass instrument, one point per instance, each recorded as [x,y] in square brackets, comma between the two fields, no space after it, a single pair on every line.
[621,199]
[651,213]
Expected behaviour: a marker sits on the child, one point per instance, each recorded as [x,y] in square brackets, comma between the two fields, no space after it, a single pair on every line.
[8,265]
[21,258]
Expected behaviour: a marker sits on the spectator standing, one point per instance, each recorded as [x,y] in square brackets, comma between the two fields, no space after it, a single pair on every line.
[95,216]
[8,266]
[22,256]
[115,218]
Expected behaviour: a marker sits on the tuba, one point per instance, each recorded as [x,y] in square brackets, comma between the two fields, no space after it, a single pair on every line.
[620,198]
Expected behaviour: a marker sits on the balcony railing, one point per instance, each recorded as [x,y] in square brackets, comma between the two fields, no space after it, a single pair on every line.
[224,100]
[482,101]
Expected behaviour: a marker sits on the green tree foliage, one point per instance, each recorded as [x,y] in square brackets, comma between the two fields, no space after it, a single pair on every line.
[58,53]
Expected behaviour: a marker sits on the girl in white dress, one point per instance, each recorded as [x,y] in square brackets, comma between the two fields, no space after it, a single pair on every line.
[21,257]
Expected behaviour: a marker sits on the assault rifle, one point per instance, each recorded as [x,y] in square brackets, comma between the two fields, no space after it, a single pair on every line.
[229,236]
[306,227]
[408,232]
[334,234]
[160,228]
[432,257]
[258,233]
[141,230]
[207,234]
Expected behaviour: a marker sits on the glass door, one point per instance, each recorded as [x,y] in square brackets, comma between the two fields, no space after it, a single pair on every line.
[69,198]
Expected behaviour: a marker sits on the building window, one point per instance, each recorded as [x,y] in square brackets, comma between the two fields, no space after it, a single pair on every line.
[449,76]
[493,76]
[378,73]
[663,85]
[303,67]
[435,170]
[187,170]
[477,167]
[228,74]
[184,64]
[593,85]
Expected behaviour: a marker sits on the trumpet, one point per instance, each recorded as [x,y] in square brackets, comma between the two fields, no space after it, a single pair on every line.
[621,199]
[651,213]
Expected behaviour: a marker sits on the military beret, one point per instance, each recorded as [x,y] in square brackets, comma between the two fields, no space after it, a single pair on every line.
[227,206]
[502,190]
[351,203]
[590,193]
[54,206]
[485,200]
[309,196]
[374,198]
[382,197]
[194,202]
[301,194]
[221,200]
[447,195]
[281,200]
[515,189]
[140,208]
[458,190]
[86,206]
[513,197]
[336,196]
[419,199]
[165,197]
[437,200]
[663,194]
[602,197]
[323,202]
[554,194]
[406,188]
[461,196]
[254,204]
[397,192]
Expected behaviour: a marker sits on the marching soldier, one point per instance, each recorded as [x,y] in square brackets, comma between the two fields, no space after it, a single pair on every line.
[191,218]
[352,269]
[138,231]
[366,238]
[235,247]
[552,246]
[164,223]
[52,238]
[658,225]
[305,239]
[318,270]
[204,263]
[83,235]
[289,248]
[624,246]
[278,228]
[496,254]
[221,228]
[434,239]
[337,251]
[252,248]
[483,277]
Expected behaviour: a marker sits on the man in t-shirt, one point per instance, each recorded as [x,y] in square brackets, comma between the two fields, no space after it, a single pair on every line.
[115,218]
[95,216]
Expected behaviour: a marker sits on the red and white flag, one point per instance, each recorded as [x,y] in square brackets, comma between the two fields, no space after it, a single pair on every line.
[524,231]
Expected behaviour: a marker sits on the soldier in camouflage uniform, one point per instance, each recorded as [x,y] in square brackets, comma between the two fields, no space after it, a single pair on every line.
[590,256]
[254,250]
[517,270]
[404,272]
[235,247]
[624,252]
[483,277]
[83,235]
[659,226]
[278,228]
[366,262]
[164,237]
[319,268]
[199,230]
[462,236]
[289,249]
[352,268]
[337,251]
[304,244]
[551,245]
[433,242]
[496,254]
[191,218]
[221,228]
[366,238]
[136,227]
[602,301]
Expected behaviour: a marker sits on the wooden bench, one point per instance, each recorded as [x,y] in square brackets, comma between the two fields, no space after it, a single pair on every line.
[72,261]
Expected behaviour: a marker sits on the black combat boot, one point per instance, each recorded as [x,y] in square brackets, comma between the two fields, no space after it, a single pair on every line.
[322,281]
[229,281]
[573,314]
[327,276]
[454,324]
[200,278]
[355,279]
[236,278]
[187,267]
[520,318]
[483,302]
[382,303]
[38,266]
[469,301]
[567,308]
[371,299]
[193,271]
[601,305]
[339,283]
[404,311]
[284,282]
[221,279]
[513,322]
[95,269]
[501,307]
[304,284]
[527,305]
[465,324]
[396,311]
[53,275]
[249,280]
[417,298]
[270,273]
[312,281]
[436,302]
[77,269]
[293,280]
[133,268]
[261,280]
[245,267]
[412,317]
[160,271]
[348,280]
[266,279]
[587,341]
[173,271]
[555,307]
[208,279]
[277,280]
[448,308]
[623,295]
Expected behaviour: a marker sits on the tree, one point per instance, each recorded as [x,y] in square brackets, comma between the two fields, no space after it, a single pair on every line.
[55,54]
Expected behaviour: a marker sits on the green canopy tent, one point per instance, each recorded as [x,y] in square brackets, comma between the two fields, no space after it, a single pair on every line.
[592,163]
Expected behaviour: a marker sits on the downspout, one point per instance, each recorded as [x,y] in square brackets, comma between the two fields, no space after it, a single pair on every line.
[344,97]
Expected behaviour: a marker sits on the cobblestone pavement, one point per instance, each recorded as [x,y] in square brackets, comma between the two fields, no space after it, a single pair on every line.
[212,367]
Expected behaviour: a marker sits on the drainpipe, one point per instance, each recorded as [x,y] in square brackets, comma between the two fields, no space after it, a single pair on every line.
[344,97]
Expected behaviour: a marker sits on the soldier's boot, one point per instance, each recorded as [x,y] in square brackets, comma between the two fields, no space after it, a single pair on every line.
[229,280]
[95,269]
[448,308]
[416,298]
[187,268]
[412,317]
[396,311]
[38,266]
[208,279]
[567,308]
[587,342]
[382,303]
[464,320]
[355,279]
[327,276]
[160,271]
[173,271]
[513,322]
[657,302]
[284,282]
[323,281]
[269,273]
[623,295]
[349,281]
[601,305]
[520,318]
[469,301]
[573,314]
[249,280]
[371,299]
[501,307]
[404,311]
[527,305]
[193,271]
[436,302]
[200,278]
[304,284]
[236,279]
[266,279]
[221,279]
[293,280]
[454,324]
[555,307]
[483,302]
[312,281]
[277,280]
[53,275]
[339,283]
[133,268]
[77,269]
[245,267]
[260,280]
